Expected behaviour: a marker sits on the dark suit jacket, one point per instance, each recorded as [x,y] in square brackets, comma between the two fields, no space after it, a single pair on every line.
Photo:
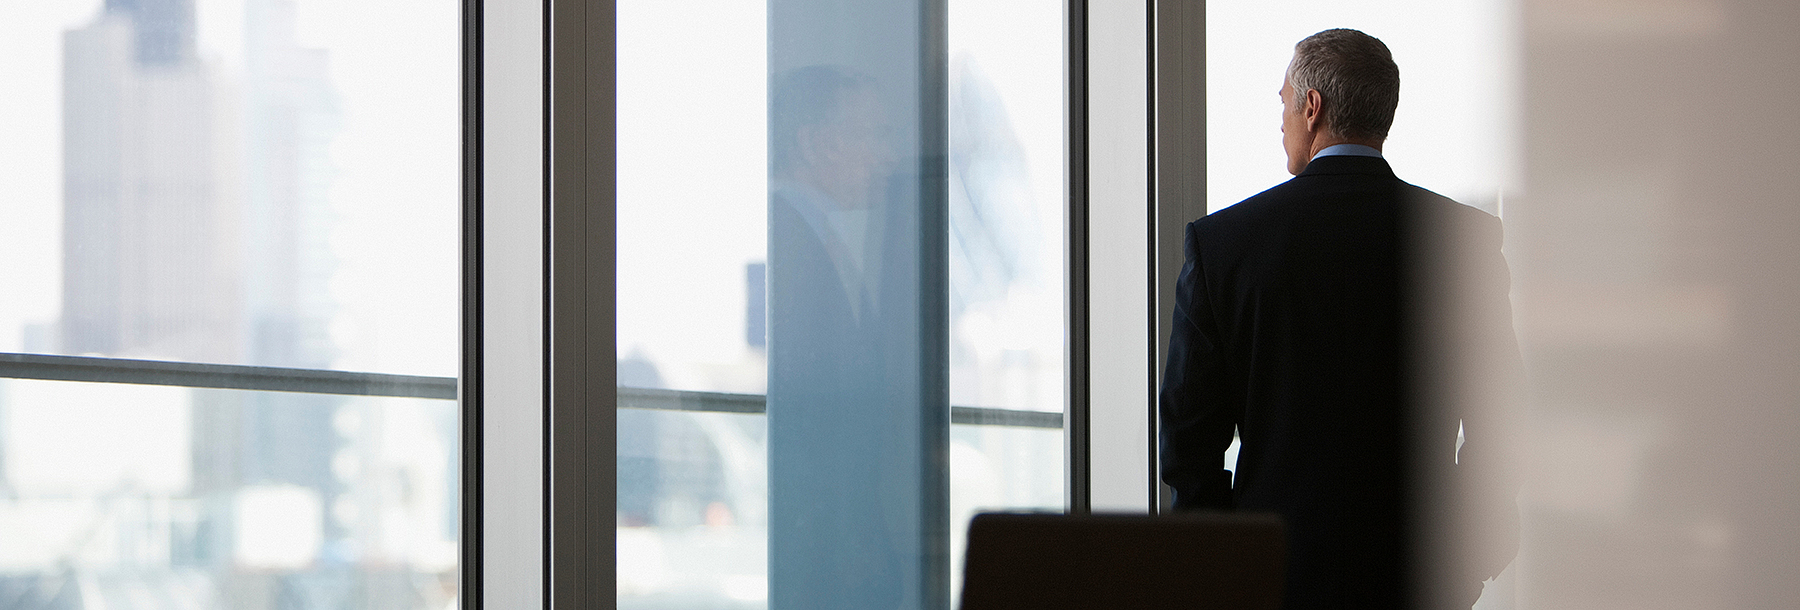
[851,408]
[1291,326]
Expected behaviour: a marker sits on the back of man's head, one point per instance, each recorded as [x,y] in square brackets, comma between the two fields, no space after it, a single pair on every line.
[1356,76]
[808,98]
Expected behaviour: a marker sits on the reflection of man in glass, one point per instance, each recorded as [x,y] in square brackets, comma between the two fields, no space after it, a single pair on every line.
[827,160]
[843,513]
[1312,318]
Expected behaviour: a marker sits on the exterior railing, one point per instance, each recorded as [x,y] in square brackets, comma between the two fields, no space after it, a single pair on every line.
[318,381]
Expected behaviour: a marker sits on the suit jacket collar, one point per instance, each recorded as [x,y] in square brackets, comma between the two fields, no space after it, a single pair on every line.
[1347,164]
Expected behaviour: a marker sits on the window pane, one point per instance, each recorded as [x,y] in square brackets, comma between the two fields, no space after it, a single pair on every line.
[693,510]
[692,249]
[124,496]
[270,182]
[1006,255]
[849,233]
[1450,133]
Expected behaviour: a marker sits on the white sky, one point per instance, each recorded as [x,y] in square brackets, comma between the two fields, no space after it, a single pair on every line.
[693,178]
[1451,133]
[31,160]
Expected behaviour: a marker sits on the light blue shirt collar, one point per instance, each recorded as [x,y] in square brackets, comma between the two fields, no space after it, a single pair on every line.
[1348,150]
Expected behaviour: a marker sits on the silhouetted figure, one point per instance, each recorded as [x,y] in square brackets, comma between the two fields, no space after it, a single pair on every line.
[1332,321]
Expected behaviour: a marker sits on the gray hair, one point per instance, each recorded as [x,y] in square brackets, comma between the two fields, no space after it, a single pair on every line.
[1356,76]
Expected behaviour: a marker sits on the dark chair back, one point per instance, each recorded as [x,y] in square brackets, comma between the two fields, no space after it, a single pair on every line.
[1123,562]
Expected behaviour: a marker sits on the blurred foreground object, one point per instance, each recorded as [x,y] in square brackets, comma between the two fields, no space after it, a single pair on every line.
[1124,562]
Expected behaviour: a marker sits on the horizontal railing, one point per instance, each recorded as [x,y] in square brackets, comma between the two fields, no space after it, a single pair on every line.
[721,402]
[318,381]
[223,376]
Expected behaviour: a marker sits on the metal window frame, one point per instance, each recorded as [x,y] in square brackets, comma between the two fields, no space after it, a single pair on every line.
[1175,153]
[580,380]
[51,367]
[657,399]
[471,540]
[581,459]
[1075,313]
[1111,240]
[1177,179]
[467,387]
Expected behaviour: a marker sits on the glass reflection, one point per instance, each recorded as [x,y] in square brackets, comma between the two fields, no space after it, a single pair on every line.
[865,259]
[857,407]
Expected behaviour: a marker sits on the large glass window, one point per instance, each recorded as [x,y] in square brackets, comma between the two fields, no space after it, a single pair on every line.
[840,318]
[1452,132]
[202,195]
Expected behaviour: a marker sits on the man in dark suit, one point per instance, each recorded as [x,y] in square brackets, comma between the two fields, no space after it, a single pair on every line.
[847,410]
[1330,322]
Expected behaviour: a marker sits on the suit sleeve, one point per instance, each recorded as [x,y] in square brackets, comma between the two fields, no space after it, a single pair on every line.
[1489,456]
[1196,406]
[1472,377]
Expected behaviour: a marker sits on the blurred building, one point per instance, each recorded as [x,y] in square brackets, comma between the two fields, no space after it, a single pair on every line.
[195,229]
[149,231]
[289,118]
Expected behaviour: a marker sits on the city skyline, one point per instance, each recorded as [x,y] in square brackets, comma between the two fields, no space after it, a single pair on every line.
[201,197]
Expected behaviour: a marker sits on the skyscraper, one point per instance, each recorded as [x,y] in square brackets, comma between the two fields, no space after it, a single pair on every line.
[289,117]
[195,229]
[149,236]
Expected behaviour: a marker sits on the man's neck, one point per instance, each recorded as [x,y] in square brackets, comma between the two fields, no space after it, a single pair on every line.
[1327,140]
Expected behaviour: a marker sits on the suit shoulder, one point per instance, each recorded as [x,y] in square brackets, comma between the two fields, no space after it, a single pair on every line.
[1453,220]
[1445,204]
[1252,210]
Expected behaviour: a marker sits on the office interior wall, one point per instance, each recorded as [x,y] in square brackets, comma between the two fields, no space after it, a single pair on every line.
[1654,250]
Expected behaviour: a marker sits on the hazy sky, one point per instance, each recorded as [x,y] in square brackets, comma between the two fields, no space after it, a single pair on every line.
[1451,133]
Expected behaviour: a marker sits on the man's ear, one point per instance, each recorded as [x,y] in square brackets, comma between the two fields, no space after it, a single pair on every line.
[1314,111]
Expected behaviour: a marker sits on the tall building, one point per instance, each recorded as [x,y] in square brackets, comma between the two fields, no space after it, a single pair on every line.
[289,117]
[196,226]
[150,263]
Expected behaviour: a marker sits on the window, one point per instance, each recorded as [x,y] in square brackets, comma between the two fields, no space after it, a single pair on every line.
[1450,134]
[231,350]
[840,294]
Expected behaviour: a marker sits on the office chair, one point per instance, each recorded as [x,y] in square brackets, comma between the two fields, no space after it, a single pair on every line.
[1123,562]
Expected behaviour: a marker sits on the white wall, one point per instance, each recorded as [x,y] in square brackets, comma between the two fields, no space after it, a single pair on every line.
[1654,247]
